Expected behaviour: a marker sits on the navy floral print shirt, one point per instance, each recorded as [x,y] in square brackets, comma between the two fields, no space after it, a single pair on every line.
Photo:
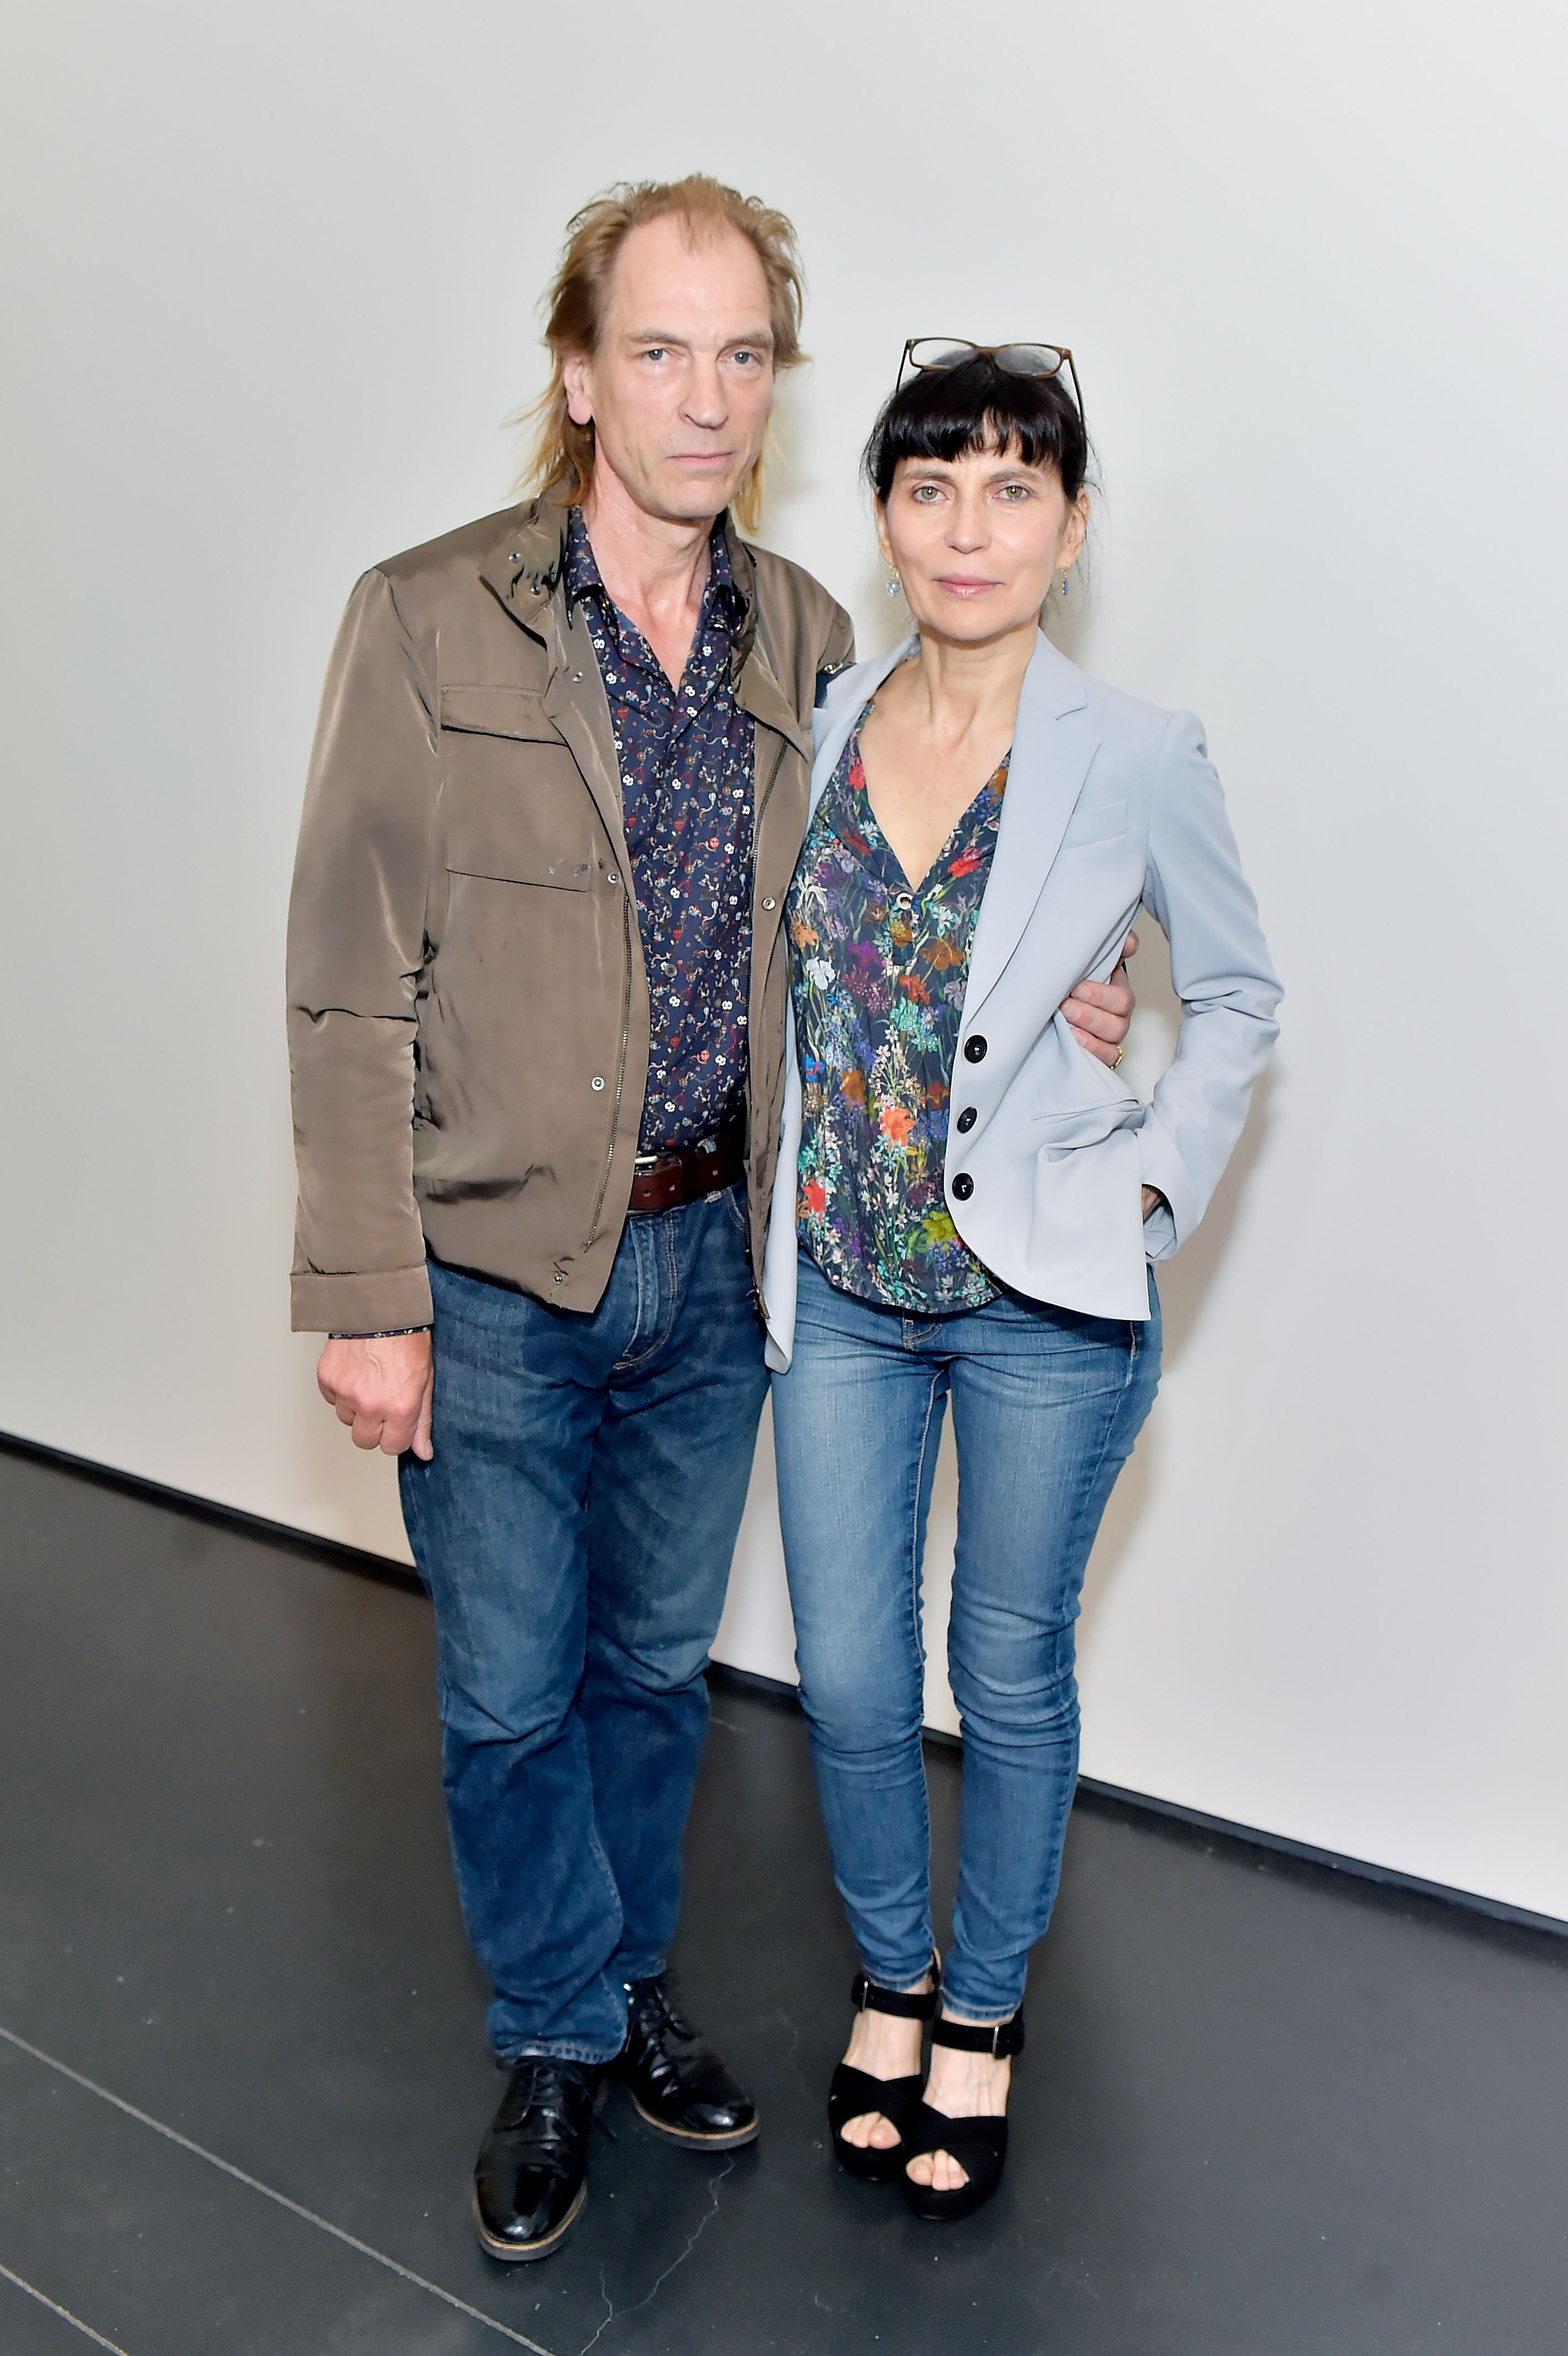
[686,760]
[878,975]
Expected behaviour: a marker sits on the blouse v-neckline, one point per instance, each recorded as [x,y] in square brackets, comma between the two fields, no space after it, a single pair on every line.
[975,814]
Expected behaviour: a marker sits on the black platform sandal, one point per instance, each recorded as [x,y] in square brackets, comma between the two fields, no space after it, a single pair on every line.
[978,2143]
[855,2091]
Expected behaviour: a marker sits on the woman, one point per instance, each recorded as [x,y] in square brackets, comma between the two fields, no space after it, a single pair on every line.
[967,1207]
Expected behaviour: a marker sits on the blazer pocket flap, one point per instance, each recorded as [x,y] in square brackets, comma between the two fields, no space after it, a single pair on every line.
[1097,823]
[1081,1125]
[516,711]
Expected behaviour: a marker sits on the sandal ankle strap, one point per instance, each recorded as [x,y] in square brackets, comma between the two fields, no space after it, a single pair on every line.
[867,1997]
[1001,2040]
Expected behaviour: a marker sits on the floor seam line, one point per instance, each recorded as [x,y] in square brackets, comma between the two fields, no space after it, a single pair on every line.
[63,2312]
[269,2192]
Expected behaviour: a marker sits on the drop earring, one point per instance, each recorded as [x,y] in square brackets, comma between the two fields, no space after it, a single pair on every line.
[1064,584]
[894,585]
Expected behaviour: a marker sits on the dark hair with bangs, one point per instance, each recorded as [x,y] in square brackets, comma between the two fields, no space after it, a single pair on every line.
[945,412]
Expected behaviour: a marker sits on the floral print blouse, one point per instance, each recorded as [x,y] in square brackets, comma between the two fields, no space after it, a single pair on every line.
[878,974]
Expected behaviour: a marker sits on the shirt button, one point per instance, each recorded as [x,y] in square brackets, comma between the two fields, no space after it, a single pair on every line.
[967,1119]
[598,1081]
[974,1050]
[962,1186]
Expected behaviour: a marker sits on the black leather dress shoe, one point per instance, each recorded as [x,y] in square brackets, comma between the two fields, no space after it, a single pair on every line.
[529,2178]
[677,2083]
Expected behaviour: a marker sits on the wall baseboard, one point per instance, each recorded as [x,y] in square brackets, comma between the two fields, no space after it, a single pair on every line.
[1113,1799]
[1108,1798]
[357,1559]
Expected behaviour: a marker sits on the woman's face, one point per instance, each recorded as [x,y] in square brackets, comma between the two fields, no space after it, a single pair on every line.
[977,539]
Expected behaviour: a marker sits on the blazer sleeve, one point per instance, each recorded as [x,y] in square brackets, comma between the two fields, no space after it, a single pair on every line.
[1220,968]
[356,948]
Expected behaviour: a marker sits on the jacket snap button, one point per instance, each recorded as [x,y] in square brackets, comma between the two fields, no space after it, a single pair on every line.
[612,877]
[771,904]
[967,1117]
[974,1049]
[558,1278]
[598,1081]
[962,1186]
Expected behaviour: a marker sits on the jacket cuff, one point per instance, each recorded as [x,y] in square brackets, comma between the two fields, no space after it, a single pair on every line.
[1162,1167]
[361,1305]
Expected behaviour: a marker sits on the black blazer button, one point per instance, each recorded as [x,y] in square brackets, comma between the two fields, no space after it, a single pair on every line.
[963,1186]
[975,1050]
[967,1117]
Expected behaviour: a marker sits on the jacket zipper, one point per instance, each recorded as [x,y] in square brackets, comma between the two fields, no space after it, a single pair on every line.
[621,1063]
[772,780]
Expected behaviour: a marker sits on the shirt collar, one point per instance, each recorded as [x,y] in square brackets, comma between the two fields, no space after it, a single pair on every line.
[581,579]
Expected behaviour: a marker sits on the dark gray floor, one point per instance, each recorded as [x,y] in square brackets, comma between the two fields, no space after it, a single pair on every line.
[1265,2111]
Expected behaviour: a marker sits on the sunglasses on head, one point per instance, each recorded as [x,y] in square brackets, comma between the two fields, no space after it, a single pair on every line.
[926,355]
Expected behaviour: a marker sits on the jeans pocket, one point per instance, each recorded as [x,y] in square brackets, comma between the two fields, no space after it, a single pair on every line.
[735,1204]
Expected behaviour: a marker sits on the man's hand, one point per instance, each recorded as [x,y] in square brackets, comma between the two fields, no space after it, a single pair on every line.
[1098,1012]
[381,1387]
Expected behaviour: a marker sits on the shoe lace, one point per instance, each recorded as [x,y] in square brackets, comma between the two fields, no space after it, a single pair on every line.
[540,2082]
[651,1998]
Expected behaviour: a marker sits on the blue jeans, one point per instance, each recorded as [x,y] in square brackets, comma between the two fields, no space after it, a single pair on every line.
[1046,1405]
[575,1529]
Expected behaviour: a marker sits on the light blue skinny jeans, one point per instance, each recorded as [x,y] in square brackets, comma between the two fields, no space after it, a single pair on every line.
[1046,1404]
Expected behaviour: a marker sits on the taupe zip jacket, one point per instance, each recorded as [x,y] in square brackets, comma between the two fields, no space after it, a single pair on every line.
[468,1022]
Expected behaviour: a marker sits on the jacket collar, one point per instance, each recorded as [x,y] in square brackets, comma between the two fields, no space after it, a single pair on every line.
[1054,743]
[525,565]
[528,562]
[525,570]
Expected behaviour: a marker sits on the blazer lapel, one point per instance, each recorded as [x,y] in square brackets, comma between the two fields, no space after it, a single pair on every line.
[833,719]
[1052,748]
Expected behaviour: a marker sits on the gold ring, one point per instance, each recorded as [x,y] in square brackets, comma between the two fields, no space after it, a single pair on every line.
[1117,1064]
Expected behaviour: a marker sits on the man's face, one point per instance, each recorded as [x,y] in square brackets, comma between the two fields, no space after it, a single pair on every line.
[681,388]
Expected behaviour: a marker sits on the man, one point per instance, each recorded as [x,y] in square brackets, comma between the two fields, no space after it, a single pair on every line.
[537,999]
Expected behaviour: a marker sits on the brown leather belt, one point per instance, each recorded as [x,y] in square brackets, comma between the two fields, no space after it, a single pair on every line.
[664,1183]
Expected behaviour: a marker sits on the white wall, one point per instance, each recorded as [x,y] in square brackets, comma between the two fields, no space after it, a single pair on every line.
[274,277]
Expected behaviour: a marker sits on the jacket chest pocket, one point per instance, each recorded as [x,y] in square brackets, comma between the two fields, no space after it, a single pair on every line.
[1096,822]
[514,807]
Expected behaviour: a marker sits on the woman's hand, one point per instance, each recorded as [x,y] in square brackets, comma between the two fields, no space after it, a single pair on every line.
[1098,1012]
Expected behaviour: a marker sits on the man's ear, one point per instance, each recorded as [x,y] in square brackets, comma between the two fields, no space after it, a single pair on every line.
[576,375]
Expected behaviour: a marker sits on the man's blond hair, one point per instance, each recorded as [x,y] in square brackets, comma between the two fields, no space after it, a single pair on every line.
[579,296]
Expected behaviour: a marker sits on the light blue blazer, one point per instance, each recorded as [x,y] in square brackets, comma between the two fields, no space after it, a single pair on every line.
[1112,805]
